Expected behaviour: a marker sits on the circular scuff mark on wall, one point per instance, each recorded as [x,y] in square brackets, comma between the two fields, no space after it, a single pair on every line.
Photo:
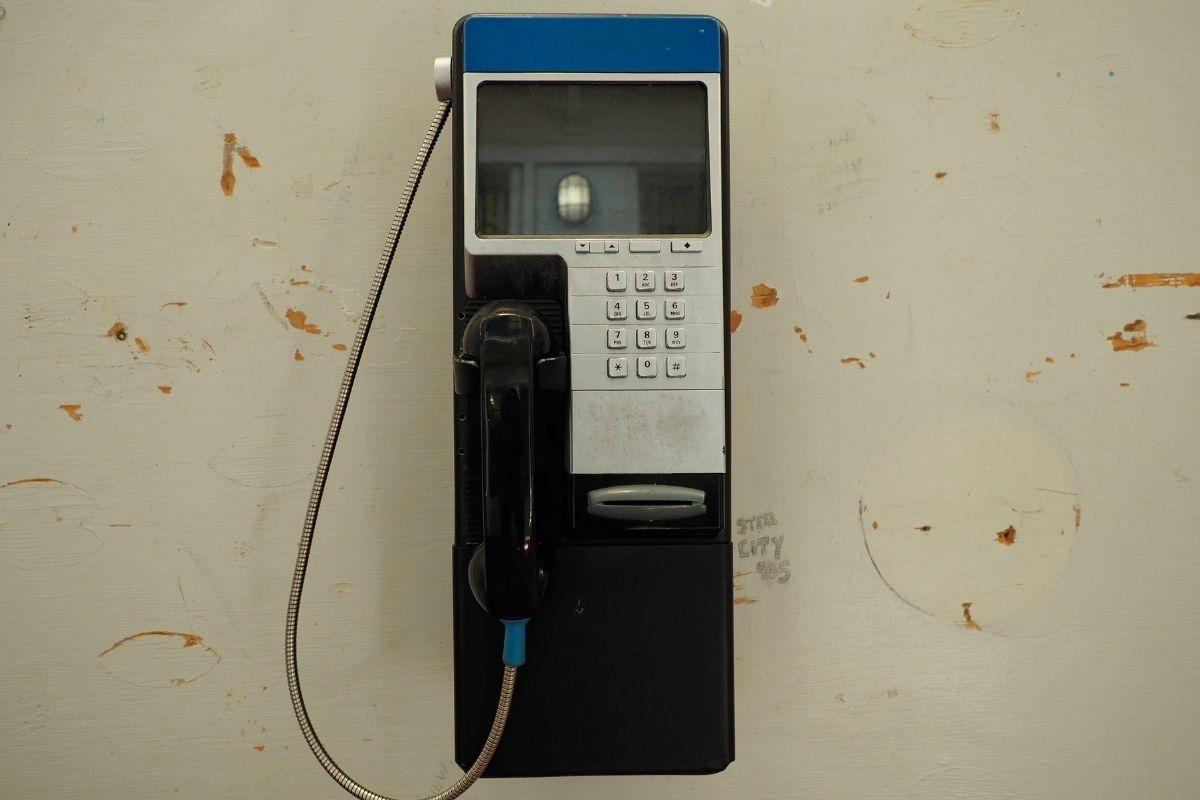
[973,502]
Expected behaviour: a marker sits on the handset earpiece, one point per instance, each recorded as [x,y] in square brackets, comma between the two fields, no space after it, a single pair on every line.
[505,340]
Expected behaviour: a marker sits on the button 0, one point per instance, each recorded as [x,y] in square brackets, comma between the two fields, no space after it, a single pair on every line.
[616,281]
[647,367]
[618,367]
[686,246]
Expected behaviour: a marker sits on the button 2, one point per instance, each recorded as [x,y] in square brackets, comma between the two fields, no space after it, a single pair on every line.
[645,280]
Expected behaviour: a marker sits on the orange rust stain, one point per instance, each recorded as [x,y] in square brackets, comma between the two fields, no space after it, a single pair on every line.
[874,525]
[939,175]
[969,623]
[1007,537]
[260,747]
[1137,337]
[118,332]
[923,528]
[994,122]
[298,356]
[300,321]
[339,346]
[227,179]
[735,320]
[854,360]
[1147,280]
[74,411]
[141,345]
[740,575]
[796,329]
[743,601]
[165,389]
[763,296]
[176,303]
[1049,359]
[304,268]
[1033,373]
[37,480]
[247,157]
[1078,515]
[74,229]
[189,639]
[872,355]
[862,279]
[295,282]
[1124,383]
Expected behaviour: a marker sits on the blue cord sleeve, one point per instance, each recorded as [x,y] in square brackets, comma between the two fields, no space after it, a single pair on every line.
[514,641]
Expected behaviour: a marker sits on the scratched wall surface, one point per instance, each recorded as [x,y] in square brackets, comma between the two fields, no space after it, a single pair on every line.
[966,360]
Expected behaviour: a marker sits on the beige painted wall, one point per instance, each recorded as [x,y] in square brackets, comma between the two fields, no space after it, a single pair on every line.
[940,193]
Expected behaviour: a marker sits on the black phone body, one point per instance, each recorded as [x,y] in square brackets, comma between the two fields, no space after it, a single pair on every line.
[591,186]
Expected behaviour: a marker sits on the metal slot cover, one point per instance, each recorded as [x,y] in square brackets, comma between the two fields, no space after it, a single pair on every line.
[649,502]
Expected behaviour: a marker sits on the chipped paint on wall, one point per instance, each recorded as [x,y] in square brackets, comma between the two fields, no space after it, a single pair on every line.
[299,321]
[1147,280]
[763,296]
[1137,340]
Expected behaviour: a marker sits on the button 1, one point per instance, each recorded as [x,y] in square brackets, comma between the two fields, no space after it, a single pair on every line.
[617,367]
[676,367]
[645,308]
[644,280]
[645,246]
[616,281]
[673,280]
[686,246]
[676,338]
[647,338]
[647,366]
[674,309]
[617,309]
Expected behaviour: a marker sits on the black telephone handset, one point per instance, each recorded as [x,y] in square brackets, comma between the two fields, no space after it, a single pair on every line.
[502,349]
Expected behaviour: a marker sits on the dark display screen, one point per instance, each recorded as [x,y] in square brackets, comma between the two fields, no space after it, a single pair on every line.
[588,159]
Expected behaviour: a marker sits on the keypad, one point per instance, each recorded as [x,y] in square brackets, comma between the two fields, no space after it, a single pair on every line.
[645,342]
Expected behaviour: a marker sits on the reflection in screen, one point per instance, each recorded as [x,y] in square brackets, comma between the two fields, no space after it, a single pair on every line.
[571,159]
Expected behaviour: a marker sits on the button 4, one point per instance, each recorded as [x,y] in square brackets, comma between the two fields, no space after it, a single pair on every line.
[617,309]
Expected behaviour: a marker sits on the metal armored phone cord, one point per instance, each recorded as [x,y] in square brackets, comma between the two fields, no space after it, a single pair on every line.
[314,505]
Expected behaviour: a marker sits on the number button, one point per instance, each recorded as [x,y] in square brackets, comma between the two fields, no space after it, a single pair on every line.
[673,281]
[676,338]
[617,368]
[645,280]
[647,367]
[616,339]
[616,281]
[646,309]
[676,367]
[617,309]
[647,338]
[674,309]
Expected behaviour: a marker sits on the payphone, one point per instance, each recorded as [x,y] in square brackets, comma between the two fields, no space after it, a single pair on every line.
[590,351]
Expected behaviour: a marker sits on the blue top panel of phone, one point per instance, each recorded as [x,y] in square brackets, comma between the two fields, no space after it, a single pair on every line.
[591,44]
